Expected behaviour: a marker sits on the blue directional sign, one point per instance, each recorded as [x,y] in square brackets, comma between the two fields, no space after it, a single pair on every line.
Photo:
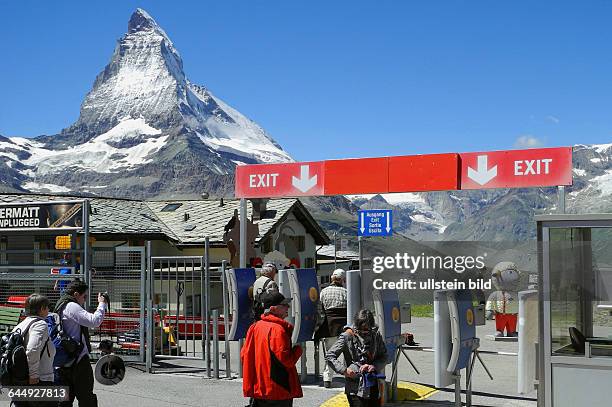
[375,222]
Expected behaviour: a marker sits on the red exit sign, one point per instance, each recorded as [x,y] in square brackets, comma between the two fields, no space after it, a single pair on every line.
[537,167]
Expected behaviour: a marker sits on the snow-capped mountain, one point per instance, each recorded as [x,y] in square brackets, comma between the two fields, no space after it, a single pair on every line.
[144,126]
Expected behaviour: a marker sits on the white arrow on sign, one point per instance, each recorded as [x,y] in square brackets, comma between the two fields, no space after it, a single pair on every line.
[362,223]
[304,183]
[482,174]
[388,221]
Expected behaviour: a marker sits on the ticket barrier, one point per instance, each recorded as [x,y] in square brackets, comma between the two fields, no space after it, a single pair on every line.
[455,342]
[240,287]
[301,285]
[390,315]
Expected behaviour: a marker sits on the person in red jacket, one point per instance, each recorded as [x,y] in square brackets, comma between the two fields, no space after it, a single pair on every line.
[270,378]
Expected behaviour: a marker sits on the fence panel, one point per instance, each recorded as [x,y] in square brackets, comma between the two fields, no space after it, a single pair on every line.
[120,272]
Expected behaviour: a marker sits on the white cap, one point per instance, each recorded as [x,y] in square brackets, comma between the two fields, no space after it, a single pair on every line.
[338,273]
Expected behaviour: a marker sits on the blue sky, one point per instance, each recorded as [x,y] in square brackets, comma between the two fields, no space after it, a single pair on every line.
[336,79]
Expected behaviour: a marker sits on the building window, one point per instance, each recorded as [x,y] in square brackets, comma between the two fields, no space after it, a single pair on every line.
[309,262]
[266,245]
[171,207]
[300,242]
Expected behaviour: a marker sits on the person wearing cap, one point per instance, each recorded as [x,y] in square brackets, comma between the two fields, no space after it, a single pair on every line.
[332,317]
[265,283]
[268,359]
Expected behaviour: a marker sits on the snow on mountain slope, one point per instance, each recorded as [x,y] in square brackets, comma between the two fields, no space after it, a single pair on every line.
[99,154]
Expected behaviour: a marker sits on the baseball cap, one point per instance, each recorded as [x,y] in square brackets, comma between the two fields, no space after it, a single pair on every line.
[338,273]
[270,299]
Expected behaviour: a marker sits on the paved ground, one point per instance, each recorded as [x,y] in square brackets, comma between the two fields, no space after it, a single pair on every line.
[187,385]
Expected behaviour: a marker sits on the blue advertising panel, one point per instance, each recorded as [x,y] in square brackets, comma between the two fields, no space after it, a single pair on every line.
[308,298]
[392,329]
[467,327]
[375,222]
[241,285]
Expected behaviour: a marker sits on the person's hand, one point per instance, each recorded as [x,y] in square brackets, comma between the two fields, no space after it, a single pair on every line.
[366,368]
[371,369]
[350,373]
[101,298]
[33,380]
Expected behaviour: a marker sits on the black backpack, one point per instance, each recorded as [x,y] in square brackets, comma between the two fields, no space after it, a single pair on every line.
[14,369]
[258,307]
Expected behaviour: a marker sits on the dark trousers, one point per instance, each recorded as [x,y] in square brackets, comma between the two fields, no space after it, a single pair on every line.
[80,379]
[355,401]
[273,403]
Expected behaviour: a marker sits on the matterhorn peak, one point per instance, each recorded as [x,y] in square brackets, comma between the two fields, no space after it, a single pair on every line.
[143,120]
[141,20]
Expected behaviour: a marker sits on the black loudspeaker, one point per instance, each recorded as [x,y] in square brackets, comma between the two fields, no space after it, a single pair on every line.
[110,370]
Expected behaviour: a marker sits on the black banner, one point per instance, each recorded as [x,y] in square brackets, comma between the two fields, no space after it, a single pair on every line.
[42,216]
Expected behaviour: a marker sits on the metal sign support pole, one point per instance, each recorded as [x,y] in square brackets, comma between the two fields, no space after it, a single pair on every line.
[561,195]
[85,260]
[228,361]
[335,251]
[243,233]
[206,270]
[362,300]
[243,259]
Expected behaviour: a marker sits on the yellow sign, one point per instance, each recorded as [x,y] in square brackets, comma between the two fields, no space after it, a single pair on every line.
[62,242]
[395,314]
[469,316]
[313,294]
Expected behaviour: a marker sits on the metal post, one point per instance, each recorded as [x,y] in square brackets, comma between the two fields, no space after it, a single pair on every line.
[243,259]
[207,303]
[561,195]
[361,274]
[243,233]
[85,260]
[353,288]
[143,301]
[468,382]
[228,362]
[457,389]
[150,317]
[303,367]
[335,248]
[317,355]
[215,318]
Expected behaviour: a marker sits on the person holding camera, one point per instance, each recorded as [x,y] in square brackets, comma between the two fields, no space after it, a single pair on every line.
[76,322]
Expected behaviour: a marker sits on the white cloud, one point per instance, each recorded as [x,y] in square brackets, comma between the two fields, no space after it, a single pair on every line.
[553,119]
[528,141]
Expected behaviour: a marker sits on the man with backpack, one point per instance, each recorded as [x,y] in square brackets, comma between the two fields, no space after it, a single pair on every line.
[26,354]
[264,284]
[75,321]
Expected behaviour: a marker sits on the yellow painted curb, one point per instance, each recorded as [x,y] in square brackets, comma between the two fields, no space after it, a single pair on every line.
[412,391]
[405,392]
[339,400]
